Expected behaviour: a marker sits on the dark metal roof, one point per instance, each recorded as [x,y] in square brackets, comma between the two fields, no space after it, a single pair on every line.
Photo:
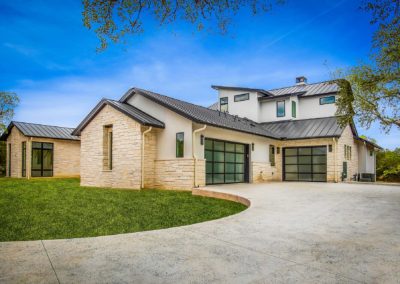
[131,111]
[201,114]
[262,91]
[40,130]
[326,87]
[305,128]
[214,106]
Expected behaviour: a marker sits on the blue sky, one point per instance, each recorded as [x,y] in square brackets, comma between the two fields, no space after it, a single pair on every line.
[49,59]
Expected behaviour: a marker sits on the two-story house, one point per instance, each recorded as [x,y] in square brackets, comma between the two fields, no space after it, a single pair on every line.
[148,140]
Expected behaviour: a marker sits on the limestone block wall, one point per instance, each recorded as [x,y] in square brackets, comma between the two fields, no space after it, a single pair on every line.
[126,148]
[352,163]
[150,154]
[175,173]
[66,155]
[262,172]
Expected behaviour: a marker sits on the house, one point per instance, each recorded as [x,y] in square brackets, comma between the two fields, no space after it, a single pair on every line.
[36,150]
[148,140]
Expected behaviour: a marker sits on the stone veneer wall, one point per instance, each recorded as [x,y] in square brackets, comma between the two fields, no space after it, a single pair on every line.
[352,164]
[262,172]
[150,155]
[66,155]
[127,141]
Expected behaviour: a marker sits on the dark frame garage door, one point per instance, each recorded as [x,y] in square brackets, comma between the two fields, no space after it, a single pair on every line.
[304,164]
[226,162]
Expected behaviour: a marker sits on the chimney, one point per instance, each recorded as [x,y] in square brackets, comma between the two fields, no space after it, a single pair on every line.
[301,81]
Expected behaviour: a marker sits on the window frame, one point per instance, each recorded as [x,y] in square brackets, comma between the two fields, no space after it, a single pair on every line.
[224,104]
[23,159]
[277,109]
[9,159]
[178,154]
[41,148]
[238,97]
[271,155]
[329,103]
[294,111]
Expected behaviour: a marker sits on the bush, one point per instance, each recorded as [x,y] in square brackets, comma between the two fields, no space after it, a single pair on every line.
[388,165]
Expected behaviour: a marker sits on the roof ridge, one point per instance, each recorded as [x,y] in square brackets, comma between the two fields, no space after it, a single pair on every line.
[326,81]
[14,121]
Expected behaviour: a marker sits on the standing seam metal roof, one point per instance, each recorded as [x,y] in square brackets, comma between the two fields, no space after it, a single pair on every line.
[308,89]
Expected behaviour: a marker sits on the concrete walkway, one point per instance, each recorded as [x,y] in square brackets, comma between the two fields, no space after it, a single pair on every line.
[292,233]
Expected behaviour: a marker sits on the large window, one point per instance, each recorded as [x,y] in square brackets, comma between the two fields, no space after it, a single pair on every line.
[180,142]
[42,159]
[272,155]
[108,147]
[241,97]
[280,108]
[327,100]
[23,159]
[294,109]
[223,104]
[9,160]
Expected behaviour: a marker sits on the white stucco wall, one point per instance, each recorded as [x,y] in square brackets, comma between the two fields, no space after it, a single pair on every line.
[268,110]
[310,108]
[366,162]
[248,108]
[174,123]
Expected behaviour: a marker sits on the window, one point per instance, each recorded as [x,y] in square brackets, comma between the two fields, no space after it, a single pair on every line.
[42,159]
[272,155]
[223,104]
[280,108]
[23,159]
[241,97]
[9,160]
[180,144]
[327,100]
[347,152]
[294,109]
[330,147]
[108,147]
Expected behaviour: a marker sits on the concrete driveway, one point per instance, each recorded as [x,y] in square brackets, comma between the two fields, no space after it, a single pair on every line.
[292,233]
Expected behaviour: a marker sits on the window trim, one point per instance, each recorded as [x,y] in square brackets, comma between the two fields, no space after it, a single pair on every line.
[294,111]
[321,103]
[42,170]
[9,159]
[284,109]
[245,95]
[183,145]
[23,158]
[223,104]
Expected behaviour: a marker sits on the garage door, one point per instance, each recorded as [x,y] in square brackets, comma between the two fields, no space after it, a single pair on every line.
[304,163]
[226,162]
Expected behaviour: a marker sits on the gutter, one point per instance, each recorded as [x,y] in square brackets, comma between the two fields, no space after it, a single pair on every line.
[143,136]
[194,152]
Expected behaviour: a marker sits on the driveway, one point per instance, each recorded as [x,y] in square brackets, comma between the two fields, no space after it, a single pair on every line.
[292,233]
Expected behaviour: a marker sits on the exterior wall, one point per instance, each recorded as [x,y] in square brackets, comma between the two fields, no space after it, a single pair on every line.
[150,155]
[366,162]
[310,108]
[249,108]
[126,147]
[66,155]
[268,110]
[352,164]
[174,123]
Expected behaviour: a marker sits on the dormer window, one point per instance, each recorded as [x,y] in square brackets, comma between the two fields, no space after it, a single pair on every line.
[327,100]
[223,104]
[280,108]
[241,97]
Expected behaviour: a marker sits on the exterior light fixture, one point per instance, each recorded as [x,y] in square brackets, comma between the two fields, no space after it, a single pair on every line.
[201,139]
[252,146]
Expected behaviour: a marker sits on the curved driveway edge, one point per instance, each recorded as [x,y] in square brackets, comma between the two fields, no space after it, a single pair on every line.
[292,233]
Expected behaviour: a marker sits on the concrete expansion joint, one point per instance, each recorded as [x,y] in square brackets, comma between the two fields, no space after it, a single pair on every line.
[52,266]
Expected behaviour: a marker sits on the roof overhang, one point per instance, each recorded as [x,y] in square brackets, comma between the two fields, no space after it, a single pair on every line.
[229,88]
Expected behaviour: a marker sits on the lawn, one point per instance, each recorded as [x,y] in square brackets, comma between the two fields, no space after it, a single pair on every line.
[60,208]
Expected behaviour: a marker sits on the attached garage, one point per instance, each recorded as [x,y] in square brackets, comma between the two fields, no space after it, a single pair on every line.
[226,162]
[304,164]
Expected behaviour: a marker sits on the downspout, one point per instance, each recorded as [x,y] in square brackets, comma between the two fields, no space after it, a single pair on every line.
[143,135]
[194,152]
[334,159]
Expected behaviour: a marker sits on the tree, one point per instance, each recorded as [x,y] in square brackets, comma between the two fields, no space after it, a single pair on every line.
[113,19]
[371,90]
[8,102]
[388,165]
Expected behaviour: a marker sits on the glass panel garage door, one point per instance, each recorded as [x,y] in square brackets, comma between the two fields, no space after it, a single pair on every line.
[226,162]
[304,164]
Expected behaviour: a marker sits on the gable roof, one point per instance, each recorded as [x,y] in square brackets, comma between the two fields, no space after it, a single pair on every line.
[40,130]
[305,128]
[326,87]
[201,114]
[129,110]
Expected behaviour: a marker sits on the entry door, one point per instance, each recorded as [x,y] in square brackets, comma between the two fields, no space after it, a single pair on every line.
[304,163]
[226,162]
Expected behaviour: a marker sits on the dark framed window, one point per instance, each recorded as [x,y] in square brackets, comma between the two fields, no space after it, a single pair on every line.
[108,147]
[294,109]
[9,160]
[42,159]
[223,104]
[180,142]
[272,155]
[23,159]
[280,108]
[327,100]
[241,97]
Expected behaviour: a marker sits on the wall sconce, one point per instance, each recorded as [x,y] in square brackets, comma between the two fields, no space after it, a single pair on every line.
[202,139]
[278,150]
[252,146]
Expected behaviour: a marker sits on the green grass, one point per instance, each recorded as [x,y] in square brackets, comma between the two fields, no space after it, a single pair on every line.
[60,208]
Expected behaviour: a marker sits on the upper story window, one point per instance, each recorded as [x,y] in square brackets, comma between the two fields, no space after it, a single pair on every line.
[327,100]
[180,142]
[280,108]
[241,97]
[223,104]
[294,109]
